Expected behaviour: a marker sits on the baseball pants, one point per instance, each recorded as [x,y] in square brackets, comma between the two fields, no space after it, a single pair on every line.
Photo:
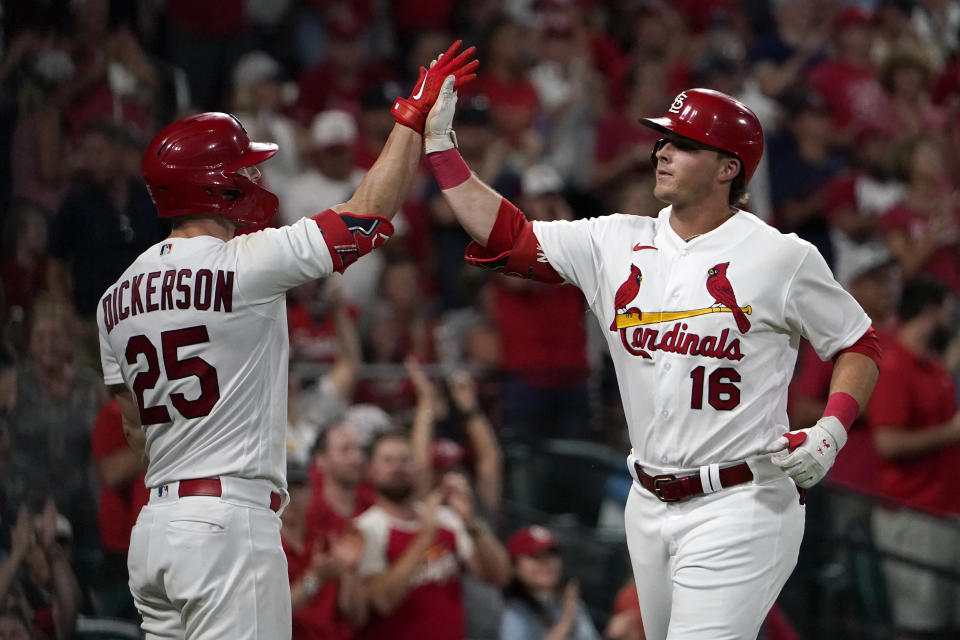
[205,568]
[710,567]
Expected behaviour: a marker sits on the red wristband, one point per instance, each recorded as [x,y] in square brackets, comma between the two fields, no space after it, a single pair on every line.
[842,406]
[449,168]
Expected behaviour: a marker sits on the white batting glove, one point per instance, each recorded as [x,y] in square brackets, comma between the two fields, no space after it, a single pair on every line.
[438,132]
[806,455]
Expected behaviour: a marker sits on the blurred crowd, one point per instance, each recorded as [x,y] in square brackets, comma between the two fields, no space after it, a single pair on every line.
[411,373]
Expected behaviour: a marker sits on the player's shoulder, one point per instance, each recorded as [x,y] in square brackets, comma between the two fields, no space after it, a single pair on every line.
[778,245]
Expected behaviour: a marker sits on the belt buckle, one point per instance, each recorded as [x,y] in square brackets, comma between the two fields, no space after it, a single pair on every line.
[660,479]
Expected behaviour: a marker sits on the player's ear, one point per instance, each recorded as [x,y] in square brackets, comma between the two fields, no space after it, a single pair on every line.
[729,168]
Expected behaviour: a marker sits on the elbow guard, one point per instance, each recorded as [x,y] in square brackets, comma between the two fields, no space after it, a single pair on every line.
[351,235]
[512,248]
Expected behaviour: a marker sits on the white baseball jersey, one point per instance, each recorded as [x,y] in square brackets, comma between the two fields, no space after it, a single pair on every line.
[702,382]
[197,328]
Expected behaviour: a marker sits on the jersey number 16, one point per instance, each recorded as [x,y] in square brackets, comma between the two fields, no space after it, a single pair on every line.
[722,393]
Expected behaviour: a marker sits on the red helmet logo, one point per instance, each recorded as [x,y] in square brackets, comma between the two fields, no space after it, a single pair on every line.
[715,119]
[191,166]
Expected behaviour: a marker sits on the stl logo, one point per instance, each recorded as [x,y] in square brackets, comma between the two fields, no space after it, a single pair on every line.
[678,102]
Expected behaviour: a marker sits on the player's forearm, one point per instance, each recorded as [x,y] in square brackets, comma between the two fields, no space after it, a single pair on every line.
[475,205]
[901,444]
[855,374]
[385,186]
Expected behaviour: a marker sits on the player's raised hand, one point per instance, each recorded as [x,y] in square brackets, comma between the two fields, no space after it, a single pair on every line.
[412,112]
[438,133]
[807,454]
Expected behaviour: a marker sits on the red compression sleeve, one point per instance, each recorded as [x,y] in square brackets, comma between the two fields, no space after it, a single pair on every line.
[842,406]
[448,168]
[868,345]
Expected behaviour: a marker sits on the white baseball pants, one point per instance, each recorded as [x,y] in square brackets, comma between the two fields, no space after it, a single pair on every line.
[205,568]
[710,567]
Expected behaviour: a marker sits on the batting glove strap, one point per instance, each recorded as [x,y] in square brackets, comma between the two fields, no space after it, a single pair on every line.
[815,451]
[408,115]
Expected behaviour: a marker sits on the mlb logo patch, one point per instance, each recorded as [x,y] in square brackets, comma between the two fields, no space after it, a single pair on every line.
[166,248]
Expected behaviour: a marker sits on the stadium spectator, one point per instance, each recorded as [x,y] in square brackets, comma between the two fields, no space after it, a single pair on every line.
[114,79]
[259,103]
[325,590]
[540,602]
[47,589]
[415,550]
[332,175]
[23,270]
[802,164]
[907,77]
[52,421]
[847,80]
[782,57]
[105,222]
[39,143]
[916,429]
[543,337]
[923,230]
[122,494]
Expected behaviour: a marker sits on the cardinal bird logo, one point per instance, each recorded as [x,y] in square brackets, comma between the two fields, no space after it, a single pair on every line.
[626,292]
[719,287]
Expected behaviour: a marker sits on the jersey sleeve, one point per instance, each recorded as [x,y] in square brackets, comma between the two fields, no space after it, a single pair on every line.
[820,310]
[449,519]
[108,360]
[572,249]
[273,261]
[374,528]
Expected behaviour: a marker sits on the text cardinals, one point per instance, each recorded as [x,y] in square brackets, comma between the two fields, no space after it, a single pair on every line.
[677,340]
[170,289]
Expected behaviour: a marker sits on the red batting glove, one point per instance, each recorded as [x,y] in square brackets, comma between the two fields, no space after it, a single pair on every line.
[412,112]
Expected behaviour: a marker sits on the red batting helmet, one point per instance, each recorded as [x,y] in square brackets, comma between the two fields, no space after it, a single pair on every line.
[715,119]
[191,167]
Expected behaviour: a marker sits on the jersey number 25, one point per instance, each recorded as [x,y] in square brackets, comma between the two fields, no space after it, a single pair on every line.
[176,369]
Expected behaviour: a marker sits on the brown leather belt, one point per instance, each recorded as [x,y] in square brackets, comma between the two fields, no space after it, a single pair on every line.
[670,488]
[212,487]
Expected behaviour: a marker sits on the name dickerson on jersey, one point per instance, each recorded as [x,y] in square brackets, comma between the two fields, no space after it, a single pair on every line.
[171,289]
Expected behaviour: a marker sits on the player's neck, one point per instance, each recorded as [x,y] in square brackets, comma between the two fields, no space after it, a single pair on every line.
[692,221]
[196,226]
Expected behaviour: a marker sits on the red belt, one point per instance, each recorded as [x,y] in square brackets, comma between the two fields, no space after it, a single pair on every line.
[212,487]
[670,488]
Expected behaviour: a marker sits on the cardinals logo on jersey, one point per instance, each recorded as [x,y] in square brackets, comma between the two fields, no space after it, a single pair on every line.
[638,338]
[719,287]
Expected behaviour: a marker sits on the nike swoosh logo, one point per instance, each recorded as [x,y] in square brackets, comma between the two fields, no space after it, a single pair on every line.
[638,247]
[419,92]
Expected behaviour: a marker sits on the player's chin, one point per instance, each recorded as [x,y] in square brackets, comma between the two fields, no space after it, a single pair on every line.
[664,192]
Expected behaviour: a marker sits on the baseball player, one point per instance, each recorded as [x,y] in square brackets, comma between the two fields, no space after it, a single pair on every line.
[703,308]
[194,348]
